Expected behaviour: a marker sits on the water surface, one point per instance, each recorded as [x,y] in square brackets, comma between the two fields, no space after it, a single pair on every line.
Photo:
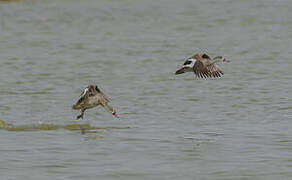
[237,127]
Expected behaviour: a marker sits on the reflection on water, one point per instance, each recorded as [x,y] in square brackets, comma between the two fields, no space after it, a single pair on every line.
[170,127]
[47,127]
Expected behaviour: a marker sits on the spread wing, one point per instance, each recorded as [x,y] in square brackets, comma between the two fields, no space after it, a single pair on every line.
[81,100]
[201,70]
[214,70]
[87,92]
[103,98]
[204,68]
[104,102]
[84,96]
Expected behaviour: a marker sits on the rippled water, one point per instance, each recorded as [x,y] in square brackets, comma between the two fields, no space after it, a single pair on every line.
[171,127]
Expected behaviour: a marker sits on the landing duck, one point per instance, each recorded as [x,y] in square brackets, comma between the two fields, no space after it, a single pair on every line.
[90,98]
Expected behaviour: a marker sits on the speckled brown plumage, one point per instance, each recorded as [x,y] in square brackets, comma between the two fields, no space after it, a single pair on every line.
[92,97]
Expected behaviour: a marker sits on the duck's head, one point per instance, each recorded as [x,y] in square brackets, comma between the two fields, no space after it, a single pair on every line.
[221,58]
[187,66]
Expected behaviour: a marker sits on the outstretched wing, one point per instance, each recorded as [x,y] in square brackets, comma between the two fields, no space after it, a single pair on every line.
[103,98]
[87,92]
[200,69]
[214,70]
[84,95]
[203,67]
[104,102]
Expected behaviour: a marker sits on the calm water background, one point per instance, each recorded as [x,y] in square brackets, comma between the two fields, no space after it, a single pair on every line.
[237,127]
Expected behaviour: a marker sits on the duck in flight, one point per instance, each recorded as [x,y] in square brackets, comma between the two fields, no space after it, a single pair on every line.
[203,66]
[92,97]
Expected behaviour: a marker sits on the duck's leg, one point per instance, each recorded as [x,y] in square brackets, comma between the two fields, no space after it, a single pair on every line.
[81,115]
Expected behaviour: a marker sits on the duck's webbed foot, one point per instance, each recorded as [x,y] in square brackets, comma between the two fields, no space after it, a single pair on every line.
[81,115]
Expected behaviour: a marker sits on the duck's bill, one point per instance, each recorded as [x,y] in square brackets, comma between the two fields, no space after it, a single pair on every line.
[225,60]
[115,114]
[180,71]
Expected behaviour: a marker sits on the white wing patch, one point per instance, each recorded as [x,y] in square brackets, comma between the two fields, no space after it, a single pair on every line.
[84,92]
[190,65]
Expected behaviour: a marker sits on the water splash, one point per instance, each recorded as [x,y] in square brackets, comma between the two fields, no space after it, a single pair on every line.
[48,127]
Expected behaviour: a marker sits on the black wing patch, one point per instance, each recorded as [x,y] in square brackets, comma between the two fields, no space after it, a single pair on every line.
[187,62]
[205,56]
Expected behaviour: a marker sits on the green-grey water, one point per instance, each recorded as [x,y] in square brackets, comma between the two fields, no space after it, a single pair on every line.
[237,127]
